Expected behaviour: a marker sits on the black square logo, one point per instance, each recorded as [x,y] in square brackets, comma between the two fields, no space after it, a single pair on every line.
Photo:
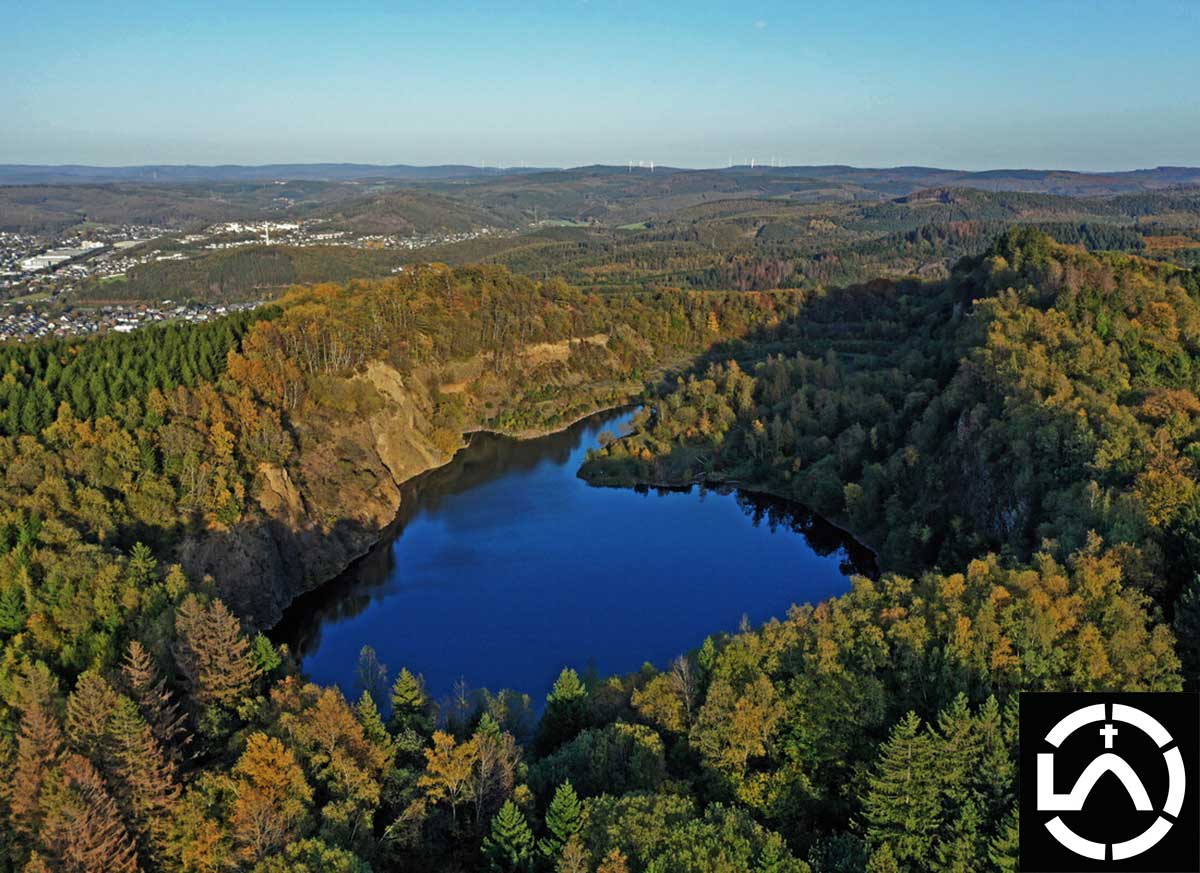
[1110,782]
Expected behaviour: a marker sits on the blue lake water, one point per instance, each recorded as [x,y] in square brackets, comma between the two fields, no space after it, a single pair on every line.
[504,567]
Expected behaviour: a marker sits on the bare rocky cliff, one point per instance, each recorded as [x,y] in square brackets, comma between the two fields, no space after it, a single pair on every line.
[309,522]
[306,523]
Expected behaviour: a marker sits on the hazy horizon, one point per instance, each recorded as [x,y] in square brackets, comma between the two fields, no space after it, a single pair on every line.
[601,164]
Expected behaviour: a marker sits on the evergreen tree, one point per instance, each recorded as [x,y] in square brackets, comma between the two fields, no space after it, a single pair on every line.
[13,613]
[83,825]
[372,723]
[266,655]
[1004,850]
[566,711]
[155,703]
[959,850]
[883,860]
[213,655]
[410,705]
[563,820]
[902,809]
[39,750]
[509,846]
[147,777]
[91,708]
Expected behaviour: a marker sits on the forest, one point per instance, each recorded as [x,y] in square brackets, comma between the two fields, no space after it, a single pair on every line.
[765,236]
[1015,439]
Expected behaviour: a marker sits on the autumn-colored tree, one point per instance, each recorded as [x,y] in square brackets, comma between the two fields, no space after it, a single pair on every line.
[494,772]
[332,742]
[155,702]
[668,699]
[213,654]
[573,858]
[734,725]
[272,798]
[83,826]
[614,862]
[39,750]
[448,770]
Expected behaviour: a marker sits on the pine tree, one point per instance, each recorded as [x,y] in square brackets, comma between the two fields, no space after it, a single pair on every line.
[149,691]
[960,751]
[39,749]
[141,566]
[13,613]
[213,654]
[266,655]
[883,860]
[773,859]
[566,712]
[1004,850]
[83,826]
[372,723]
[563,820]
[147,777]
[90,711]
[410,705]
[903,804]
[509,846]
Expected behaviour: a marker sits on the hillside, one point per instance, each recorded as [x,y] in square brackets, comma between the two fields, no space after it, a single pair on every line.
[1042,395]
[1015,438]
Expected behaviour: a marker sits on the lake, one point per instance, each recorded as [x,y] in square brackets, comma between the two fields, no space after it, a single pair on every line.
[504,567]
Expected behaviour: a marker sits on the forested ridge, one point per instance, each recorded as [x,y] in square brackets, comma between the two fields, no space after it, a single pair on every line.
[1015,440]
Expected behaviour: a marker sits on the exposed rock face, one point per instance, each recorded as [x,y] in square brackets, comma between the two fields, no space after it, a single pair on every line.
[312,521]
[304,524]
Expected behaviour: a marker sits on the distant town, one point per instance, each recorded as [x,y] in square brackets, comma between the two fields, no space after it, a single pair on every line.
[28,323]
[38,277]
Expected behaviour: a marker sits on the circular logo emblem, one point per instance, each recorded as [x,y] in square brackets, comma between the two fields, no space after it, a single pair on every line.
[1122,718]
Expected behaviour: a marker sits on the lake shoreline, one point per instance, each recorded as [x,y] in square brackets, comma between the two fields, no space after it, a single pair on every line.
[507,544]
[412,481]
[715,483]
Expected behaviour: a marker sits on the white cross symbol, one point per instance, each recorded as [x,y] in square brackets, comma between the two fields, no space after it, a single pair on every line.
[1108,732]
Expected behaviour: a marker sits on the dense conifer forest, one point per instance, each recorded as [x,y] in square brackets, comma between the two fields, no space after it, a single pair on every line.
[1016,439]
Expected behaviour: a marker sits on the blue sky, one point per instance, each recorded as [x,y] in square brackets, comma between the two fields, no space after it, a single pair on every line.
[1081,85]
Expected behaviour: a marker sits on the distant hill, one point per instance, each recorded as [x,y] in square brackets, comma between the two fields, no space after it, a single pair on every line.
[65,174]
[893,181]
[903,180]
